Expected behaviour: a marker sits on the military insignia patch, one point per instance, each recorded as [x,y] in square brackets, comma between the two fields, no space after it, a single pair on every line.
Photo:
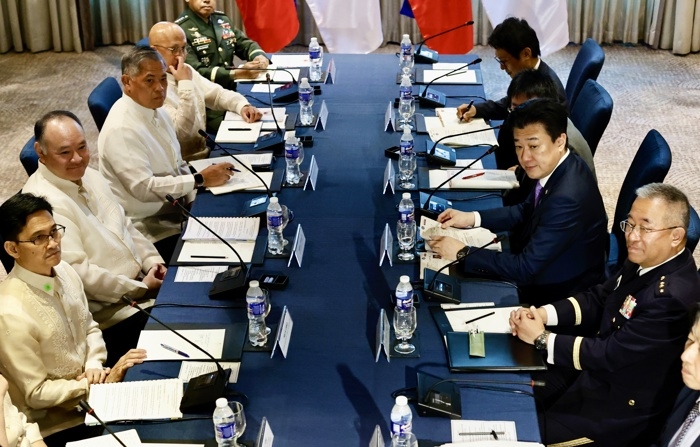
[205,61]
[628,306]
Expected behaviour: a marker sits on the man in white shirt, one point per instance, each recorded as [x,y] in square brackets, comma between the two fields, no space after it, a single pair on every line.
[52,350]
[190,94]
[140,155]
[616,387]
[112,258]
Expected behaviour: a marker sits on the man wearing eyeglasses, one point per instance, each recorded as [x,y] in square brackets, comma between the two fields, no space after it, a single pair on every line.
[517,48]
[111,256]
[192,101]
[52,349]
[617,387]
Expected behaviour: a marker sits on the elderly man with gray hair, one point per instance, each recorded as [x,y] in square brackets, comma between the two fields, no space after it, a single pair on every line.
[140,154]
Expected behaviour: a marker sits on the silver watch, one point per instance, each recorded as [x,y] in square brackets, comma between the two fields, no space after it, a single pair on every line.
[541,341]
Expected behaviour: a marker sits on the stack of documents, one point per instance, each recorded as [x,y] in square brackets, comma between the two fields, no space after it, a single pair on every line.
[135,401]
[446,123]
[243,179]
[232,119]
[201,246]
[473,179]
[463,76]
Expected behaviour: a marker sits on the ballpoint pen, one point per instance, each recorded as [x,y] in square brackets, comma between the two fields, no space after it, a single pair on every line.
[469,107]
[478,174]
[171,349]
[240,129]
[231,169]
[479,318]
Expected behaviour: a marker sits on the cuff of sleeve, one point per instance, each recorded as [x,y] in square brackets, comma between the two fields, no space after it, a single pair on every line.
[185,85]
[139,291]
[552,316]
[32,433]
[550,348]
[477,219]
[149,262]
[189,183]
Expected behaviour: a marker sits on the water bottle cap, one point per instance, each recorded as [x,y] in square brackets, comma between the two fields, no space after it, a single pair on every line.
[274,199]
[254,284]
[406,195]
[400,400]
[314,40]
[221,402]
[404,278]
[405,36]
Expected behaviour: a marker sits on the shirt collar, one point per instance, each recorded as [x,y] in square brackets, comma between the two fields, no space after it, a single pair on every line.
[543,181]
[144,113]
[537,65]
[47,284]
[642,271]
[62,184]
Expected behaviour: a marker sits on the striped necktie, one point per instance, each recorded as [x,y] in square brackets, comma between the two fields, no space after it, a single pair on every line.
[689,420]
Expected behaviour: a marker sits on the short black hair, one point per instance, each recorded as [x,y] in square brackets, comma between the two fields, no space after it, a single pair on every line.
[551,114]
[40,125]
[131,61]
[533,84]
[514,35]
[15,212]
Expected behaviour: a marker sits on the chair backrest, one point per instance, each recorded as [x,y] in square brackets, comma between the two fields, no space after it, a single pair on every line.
[102,98]
[650,165]
[693,230]
[587,65]
[28,157]
[591,113]
[143,43]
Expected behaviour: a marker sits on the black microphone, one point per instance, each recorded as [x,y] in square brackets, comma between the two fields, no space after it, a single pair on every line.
[434,98]
[272,141]
[89,410]
[457,261]
[201,391]
[446,155]
[230,284]
[429,56]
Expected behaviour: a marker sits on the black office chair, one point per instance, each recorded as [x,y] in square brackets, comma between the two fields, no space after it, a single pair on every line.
[587,65]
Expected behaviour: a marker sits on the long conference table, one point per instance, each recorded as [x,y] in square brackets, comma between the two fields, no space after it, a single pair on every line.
[329,390]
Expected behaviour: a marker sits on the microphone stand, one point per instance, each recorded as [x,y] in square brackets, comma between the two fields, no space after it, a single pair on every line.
[448,156]
[429,56]
[434,98]
[89,410]
[271,141]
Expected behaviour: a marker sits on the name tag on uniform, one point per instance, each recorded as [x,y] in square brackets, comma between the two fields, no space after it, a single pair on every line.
[202,47]
[628,306]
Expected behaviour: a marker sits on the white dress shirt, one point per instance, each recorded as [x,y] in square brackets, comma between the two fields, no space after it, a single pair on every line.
[49,339]
[100,242]
[140,158]
[20,433]
[186,103]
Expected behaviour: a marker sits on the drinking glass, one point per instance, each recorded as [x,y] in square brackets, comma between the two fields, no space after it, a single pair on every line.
[239,420]
[285,221]
[406,235]
[268,306]
[407,167]
[404,440]
[406,110]
[404,326]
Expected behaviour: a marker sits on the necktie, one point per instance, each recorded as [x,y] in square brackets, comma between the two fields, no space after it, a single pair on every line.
[689,420]
[538,192]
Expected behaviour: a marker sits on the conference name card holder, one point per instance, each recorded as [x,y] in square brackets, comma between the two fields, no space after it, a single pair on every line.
[322,120]
[389,119]
[331,73]
[386,247]
[265,435]
[312,176]
[377,438]
[383,337]
[389,177]
[298,247]
[284,333]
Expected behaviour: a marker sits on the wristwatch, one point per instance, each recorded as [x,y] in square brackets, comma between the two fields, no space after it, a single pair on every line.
[463,252]
[541,341]
[198,180]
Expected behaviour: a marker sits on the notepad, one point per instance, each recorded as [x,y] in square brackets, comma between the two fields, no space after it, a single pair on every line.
[135,401]
[490,179]
[128,437]
[449,125]
[474,237]
[210,340]
[243,180]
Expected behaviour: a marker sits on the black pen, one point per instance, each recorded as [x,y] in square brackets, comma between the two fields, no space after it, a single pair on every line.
[483,433]
[495,436]
[208,256]
[469,106]
[479,318]
[245,129]
[231,169]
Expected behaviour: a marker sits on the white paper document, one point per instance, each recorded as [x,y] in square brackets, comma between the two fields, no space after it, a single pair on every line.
[135,401]
[130,438]
[470,431]
[448,118]
[474,179]
[238,132]
[253,159]
[291,60]
[494,321]
[189,370]
[474,237]
[464,76]
[215,252]
[242,180]
[280,113]
[200,273]
[229,228]
[160,344]
[263,88]
[450,125]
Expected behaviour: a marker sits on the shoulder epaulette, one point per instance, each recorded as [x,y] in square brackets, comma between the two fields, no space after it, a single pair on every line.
[221,13]
[182,19]
[662,287]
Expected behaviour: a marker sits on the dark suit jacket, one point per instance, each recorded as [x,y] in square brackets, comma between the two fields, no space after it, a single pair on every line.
[686,400]
[557,248]
[498,110]
[630,371]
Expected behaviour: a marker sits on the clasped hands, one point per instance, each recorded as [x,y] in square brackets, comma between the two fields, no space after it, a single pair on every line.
[528,323]
[115,373]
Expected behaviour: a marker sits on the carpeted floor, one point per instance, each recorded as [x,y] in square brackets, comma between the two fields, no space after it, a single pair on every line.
[650,89]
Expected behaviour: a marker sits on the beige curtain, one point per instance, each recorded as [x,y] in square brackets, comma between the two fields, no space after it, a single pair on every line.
[39,25]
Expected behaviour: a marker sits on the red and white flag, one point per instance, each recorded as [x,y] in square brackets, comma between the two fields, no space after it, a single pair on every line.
[273,24]
[348,26]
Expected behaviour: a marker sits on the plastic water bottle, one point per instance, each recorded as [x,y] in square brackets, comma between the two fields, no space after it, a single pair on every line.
[401,416]
[406,104]
[315,60]
[406,144]
[404,296]
[306,101]
[224,424]
[406,56]
[275,239]
[255,303]
[406,208]
[292,151]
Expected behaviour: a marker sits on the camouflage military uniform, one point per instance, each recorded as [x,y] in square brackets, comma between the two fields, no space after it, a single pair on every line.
[213,45]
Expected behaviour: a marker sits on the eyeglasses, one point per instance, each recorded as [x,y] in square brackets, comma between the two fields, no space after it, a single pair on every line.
[500,62]
[176,50]
[56,234]
[628,228]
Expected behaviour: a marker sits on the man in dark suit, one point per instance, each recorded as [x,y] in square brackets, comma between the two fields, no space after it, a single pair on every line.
[683,425]
[617,387]
[559,233]
[517,48]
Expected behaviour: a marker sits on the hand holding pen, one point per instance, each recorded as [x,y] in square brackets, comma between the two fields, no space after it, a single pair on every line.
[465,113]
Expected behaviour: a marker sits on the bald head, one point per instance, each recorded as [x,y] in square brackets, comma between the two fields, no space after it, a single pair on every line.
[169,40]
